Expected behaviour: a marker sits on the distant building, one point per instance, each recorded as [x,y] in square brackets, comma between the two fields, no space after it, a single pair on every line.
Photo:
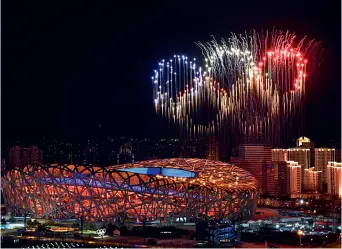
[303,142]
[334,178]
[36,155]
[20,157]
[313,180]
[255,152]
[126,149]
[274,178]
[14,157]
[322,157]
[251,157]
[294,177]
[280,155]
[4,162]
[302,156]
[213,150]
[313,162]
[338,156]
[26,156]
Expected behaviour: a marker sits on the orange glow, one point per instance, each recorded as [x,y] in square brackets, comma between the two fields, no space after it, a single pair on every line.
[109,191]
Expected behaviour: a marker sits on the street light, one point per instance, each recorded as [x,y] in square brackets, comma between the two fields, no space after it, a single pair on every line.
[300,233]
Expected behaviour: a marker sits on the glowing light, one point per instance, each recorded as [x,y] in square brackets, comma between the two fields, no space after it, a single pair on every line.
[255,84]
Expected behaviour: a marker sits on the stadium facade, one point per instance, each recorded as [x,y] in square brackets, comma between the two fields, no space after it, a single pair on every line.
[165,190]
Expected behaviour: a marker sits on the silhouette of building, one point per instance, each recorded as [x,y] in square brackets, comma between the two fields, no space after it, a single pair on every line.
[20,157]
[14,157]
[274,178]
[213,151]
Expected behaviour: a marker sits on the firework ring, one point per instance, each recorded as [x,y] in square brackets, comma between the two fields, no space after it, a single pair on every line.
[101,232]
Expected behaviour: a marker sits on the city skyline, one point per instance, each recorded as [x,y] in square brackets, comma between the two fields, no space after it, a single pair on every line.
[106,78]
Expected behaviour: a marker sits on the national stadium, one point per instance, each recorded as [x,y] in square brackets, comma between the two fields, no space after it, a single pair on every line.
[166,190]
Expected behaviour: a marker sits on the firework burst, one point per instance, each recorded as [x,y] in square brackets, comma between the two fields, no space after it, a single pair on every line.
[251,88]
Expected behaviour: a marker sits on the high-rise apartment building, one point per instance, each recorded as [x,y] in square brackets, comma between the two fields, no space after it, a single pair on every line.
[252,156]
[302,156]
[313,162]
[305,143]
[294,177]
[322,157]
[338,155]
[313,180]
[255,152]
[280,155]
[274,178]
[334,178]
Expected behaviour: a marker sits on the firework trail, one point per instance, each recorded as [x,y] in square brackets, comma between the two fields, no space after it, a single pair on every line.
[251,88]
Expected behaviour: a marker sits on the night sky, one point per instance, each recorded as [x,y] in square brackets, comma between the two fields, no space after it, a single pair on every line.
[68,67]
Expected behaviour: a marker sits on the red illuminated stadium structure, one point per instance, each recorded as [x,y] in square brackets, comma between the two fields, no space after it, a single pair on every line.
[165,190]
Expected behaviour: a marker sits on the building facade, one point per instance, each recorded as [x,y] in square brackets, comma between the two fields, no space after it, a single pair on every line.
[334,178]
[280,155]
[274,179]
[322,157]
[294,177]
[213,150]
[313,180]
[252,156]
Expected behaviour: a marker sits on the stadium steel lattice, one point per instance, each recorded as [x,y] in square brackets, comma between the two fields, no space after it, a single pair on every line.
[166,190]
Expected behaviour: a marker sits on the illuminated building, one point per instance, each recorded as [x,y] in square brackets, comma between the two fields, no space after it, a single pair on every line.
[255,152]
[338,156]
[274,179]
[312,180]
[304,142]
[312,162]
[251,156]
[334,178]
[279,155]
[126,149]
[294,177]
[322,157]
[302,156]
[213,149]
[165,190]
